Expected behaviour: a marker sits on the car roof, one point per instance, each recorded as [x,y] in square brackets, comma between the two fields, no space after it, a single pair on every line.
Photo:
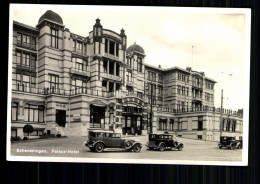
[102,131]
[162,134]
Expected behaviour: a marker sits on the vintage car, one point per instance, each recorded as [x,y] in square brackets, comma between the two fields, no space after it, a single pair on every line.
[164,141]
[229,142]
[99,140]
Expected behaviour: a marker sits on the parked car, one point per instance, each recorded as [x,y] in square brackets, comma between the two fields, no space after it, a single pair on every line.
[230,143]
[99,140]
[164,141]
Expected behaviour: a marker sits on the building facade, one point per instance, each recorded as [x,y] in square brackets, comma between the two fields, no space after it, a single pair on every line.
[64,83]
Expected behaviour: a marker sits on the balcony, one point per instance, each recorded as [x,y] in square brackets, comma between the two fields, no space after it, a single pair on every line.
[197,98]
[80,72]
[111,77]
[196,85]
[129,83]
[26,45]
[25,68]
[111,56]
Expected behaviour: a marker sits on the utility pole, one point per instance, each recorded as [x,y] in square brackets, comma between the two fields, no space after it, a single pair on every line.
[221,109]
[151,113]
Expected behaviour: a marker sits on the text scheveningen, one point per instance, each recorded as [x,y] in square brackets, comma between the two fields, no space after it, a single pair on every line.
[30,151]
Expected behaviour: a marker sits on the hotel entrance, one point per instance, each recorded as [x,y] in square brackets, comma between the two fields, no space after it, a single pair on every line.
[132,125]
[132,121]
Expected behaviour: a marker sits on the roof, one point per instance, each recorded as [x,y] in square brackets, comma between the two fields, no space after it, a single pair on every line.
[25,26]
[50,15]
[135,48]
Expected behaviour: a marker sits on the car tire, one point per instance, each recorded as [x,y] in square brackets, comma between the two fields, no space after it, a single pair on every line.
[180,148]
[219,147]
[137,148]
[127,144]
[162,147]
[99,147]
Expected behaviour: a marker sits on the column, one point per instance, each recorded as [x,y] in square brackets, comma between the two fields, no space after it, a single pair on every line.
[108,66]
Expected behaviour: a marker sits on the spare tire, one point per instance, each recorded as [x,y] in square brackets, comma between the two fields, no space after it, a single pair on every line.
[127,144]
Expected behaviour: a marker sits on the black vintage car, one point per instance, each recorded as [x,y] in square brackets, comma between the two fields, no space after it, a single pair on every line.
[164,141]
[99,140]
[230,143]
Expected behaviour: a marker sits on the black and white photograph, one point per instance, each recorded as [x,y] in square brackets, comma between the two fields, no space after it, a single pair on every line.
[124,84]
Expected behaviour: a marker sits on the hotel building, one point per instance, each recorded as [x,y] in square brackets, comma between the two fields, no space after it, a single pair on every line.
[64,83]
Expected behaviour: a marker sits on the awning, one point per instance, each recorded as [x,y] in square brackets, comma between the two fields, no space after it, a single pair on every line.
[98,103]
[34,102]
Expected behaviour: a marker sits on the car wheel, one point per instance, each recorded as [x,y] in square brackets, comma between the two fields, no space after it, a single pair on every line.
[137,148]
[162,147]
[99,147]
[128,144]
[180,148]
[219,147]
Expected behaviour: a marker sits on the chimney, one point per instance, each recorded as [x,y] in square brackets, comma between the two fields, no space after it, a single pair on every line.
[160,66]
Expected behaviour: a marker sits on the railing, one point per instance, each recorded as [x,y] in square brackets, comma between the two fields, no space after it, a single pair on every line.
[198,98]
[26,67]
[26,45]
[194,84]
[80,72]
[110,76]
[199,109]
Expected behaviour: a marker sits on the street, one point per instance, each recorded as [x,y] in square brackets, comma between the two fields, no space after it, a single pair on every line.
[194,150]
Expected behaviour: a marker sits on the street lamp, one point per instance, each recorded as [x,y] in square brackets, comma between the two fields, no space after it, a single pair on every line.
[151,107]
[221,110]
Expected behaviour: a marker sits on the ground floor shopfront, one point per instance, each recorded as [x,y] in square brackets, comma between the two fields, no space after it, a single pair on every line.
[76,115]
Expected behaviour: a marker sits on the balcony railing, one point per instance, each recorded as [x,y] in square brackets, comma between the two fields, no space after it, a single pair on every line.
[198,98]
[196,85]
[26,45]
[77,71]
[110,76]
[26,67]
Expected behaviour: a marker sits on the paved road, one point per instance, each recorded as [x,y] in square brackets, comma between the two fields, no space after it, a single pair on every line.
[194,150]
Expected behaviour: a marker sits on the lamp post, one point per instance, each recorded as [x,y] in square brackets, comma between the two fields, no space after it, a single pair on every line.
[151,106]
[221,111]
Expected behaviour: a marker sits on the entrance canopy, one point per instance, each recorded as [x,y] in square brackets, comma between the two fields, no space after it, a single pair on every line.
[98,103]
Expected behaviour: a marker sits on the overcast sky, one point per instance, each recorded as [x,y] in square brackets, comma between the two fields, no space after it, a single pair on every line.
[167,36]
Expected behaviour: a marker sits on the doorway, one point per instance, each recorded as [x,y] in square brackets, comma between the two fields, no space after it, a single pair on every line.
[61,117]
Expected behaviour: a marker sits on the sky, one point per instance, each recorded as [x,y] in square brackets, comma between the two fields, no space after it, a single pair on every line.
[205,39]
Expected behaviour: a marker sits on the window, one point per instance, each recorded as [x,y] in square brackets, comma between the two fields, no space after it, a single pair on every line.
[139,94]
[54,81]
[160,77]
[117,69]
[26,41]
[74,45]
[78,85]
[139,64]
[111,47]
[106,45]
[26,59]
[171,124]
[160,90]
[25,81]
[117,49]
[129,89]
[129,77]
[111,67]
[79,64]
[179,76]
[54,38]
[33,113]
[179,90]
[129,63]
[14,111]
[104,85]
[200,123]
